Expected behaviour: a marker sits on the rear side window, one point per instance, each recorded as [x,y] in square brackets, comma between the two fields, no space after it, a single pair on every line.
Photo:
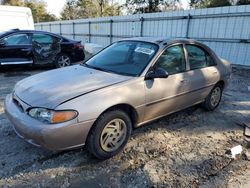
[198,58]
[42,38]
[17,39]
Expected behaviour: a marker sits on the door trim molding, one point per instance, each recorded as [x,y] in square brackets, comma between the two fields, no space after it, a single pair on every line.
[16,63]
[184,93]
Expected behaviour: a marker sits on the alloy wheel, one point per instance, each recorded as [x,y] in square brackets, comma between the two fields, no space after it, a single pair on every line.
[64,61]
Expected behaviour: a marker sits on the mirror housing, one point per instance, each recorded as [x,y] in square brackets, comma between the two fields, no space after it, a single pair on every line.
[157,73]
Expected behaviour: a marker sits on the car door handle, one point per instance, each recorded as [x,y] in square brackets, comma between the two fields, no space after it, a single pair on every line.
[215,72]
[184,81]
[25,49]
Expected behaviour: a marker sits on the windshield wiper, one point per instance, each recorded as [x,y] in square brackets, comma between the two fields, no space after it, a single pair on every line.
[123,73]
[97,68]
[105,70]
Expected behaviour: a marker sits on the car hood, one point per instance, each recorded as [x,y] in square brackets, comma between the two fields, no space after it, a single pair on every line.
[51,88]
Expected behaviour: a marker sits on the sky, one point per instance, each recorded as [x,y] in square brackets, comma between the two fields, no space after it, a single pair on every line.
[55,6]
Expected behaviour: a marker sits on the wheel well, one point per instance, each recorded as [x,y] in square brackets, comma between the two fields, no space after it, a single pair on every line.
[222,83]
[64,53]
[130,110]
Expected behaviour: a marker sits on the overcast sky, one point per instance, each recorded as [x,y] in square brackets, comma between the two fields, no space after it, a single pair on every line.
[55,7]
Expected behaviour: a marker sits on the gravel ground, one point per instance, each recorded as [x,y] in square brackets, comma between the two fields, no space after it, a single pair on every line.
[185,149]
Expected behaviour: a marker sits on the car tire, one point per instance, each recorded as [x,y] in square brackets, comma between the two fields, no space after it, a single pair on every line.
[109,134]
[212,101]
[62,60]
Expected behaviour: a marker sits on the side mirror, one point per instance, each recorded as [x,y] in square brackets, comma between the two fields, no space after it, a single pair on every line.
[157,73]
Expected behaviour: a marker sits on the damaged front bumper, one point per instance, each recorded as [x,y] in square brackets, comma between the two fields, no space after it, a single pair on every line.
[61,136]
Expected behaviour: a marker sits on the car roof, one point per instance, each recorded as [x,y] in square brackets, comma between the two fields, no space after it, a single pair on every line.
[12,31]
[161,41]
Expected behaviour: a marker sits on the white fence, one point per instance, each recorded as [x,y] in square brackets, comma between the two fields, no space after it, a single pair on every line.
[226,30]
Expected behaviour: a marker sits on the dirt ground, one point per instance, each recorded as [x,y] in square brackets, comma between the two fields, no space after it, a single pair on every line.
[185,149]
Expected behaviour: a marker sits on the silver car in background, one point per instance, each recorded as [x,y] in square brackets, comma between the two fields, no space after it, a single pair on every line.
[126,85]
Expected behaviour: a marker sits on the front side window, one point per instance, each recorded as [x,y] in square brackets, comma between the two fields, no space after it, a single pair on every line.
[172,60]
[17,39]
[126,57]
[198,58]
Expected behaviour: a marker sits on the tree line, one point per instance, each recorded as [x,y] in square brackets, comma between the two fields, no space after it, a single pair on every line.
[38,7]
[76,9]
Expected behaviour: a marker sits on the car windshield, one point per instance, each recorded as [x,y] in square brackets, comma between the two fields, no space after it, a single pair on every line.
[125,57]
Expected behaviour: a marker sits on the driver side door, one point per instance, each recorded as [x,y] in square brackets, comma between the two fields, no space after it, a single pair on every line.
[167,95]
[16,49]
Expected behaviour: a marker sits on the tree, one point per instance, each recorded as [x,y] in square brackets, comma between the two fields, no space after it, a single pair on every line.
[209,3]
[11,2]
[39,12]
[70,10]
[148,6]
[38,8]
[75,9]
[243,2]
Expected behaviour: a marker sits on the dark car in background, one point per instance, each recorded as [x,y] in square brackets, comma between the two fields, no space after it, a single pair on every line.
[38,48]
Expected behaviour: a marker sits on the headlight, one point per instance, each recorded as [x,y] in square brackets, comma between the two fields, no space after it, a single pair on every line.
[52,116]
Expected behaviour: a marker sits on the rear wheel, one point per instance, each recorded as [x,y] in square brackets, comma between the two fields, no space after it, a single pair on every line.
[63,60]
[110,134]
[214,98]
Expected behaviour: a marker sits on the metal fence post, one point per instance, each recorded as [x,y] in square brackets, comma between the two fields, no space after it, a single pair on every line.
[60,28]
[89,31]
[73,27]
[141,32]
[42,27]
[50,27]
[111,31]
[188,24]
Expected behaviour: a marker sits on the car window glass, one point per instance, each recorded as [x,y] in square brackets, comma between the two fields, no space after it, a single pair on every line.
[172,60]
[18,39]
[126,57]
[198,58]
[42,38]
[210,60]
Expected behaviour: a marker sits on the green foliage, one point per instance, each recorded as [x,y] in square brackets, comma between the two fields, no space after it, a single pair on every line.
[70,11]
[38,8]
[76,9]
[39,11]
[209,3]
[148,6]
[243,2]
[12,2]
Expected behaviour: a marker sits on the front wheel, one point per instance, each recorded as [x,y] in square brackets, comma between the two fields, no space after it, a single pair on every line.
[214,98]
[109,134]
[63,60]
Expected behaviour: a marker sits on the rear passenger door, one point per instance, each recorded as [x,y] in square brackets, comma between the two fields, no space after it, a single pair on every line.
[45,48]
[203,73]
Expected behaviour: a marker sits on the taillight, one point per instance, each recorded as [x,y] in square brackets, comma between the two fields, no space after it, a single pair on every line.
[78,46]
